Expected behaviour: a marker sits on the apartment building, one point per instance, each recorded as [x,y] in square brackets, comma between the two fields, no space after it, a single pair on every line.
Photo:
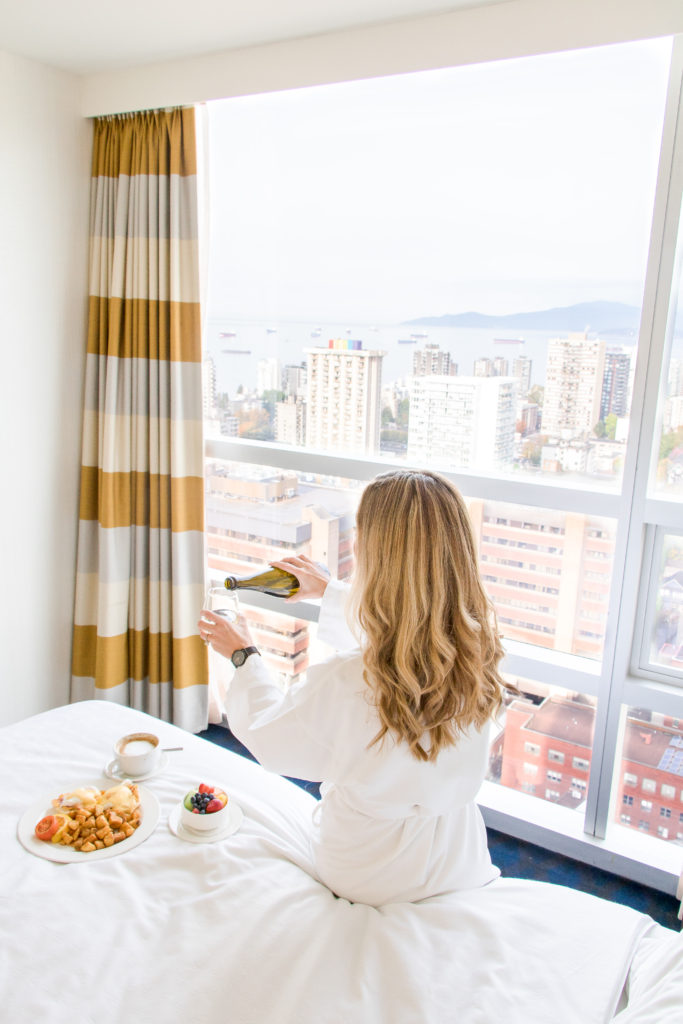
[462,421]
[573,386]
[545,751]
[343,398]
[615,396]
[432,359]
[548,574]
[290,421]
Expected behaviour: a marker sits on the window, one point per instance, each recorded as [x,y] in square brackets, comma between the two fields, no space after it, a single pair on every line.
[554,776]
[312,387]
[668,792]
[646,805]
[628,799]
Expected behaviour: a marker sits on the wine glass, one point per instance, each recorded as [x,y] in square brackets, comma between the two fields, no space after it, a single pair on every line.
[222,602]
[221,670]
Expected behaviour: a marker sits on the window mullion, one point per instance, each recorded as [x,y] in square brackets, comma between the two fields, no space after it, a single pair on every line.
[637,467]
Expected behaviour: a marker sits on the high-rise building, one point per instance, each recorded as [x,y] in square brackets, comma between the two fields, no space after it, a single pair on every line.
[528,417]
[294,380]
[521,369]
[573,386]
[343,403]
[462,421]
[483,367]
[501,367]
[268,375]
[290,421]
[672,418]
[432,360]
[547,573]
[615,385]
[675,377]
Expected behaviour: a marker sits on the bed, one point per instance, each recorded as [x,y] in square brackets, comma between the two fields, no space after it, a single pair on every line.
[238,932]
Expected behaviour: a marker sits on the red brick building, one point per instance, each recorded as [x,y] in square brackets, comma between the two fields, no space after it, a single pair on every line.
[545,750]
[650,793]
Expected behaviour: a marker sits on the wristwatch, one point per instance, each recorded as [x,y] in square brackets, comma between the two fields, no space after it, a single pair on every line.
[239,657]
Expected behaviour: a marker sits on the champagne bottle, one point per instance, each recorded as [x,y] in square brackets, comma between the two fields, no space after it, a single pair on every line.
[272,581]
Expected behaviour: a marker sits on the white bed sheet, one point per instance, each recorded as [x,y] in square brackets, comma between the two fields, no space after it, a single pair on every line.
[238,932]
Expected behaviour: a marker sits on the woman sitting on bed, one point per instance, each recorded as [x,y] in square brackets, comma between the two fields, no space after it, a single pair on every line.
[396,728]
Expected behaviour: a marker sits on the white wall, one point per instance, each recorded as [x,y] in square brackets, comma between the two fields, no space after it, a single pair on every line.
[44,185]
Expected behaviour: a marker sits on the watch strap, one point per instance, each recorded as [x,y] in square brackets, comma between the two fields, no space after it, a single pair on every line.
[245,652]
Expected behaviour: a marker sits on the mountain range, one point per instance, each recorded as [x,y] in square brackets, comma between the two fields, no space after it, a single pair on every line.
[605,317]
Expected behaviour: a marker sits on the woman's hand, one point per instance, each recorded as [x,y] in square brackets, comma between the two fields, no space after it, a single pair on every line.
[313,577]
[224,636]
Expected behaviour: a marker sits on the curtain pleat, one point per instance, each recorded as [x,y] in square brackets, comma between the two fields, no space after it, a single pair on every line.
[140,561]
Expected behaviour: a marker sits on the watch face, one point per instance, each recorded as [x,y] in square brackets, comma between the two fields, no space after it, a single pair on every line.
[239,658]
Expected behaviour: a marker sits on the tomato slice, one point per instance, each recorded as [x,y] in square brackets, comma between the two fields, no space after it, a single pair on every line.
[47,827]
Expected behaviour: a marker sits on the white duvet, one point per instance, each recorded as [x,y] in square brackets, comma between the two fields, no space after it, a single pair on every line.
[237,932]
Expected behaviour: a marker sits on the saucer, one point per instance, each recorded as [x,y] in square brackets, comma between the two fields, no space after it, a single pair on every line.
[111,772]
[235,818]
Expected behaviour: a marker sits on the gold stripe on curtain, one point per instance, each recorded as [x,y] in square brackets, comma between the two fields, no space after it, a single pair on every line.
[140,562]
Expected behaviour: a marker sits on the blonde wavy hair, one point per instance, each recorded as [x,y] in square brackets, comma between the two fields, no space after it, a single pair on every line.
[431,647]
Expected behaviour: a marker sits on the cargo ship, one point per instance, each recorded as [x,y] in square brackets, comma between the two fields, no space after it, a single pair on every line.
[508,341]
[236,351]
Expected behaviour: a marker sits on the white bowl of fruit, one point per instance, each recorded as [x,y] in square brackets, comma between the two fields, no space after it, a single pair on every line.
[204,809]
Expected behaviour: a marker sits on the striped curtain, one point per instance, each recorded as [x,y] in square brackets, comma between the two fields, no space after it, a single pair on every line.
[140,567]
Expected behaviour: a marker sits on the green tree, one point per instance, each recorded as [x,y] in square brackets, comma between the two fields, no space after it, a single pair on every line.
[611,426]
[535,395]
[672,439]
[599,429]
[387,416]
[269,398]
[403,413]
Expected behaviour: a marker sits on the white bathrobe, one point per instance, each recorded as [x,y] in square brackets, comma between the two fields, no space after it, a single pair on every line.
[388,828]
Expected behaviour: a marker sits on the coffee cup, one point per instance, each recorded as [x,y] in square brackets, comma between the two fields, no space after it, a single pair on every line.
[137,754]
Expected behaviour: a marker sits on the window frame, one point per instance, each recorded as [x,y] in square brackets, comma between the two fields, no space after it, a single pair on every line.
[641,665]
[618,679]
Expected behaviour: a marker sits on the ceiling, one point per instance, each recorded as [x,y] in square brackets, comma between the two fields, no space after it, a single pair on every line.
[86,37]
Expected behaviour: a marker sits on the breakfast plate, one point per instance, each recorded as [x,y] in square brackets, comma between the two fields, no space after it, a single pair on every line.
[234,820]
[64,854]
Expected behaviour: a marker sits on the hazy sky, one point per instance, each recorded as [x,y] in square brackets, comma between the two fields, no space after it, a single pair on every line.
[498,187]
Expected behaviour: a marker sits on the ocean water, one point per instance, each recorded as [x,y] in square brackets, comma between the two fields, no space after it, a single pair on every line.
[236,357]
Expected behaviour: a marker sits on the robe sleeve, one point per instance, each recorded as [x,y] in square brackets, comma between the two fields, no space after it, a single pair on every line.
[293,733]
[333,629]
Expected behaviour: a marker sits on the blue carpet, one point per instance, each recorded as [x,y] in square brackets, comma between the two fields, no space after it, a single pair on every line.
[517,859]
